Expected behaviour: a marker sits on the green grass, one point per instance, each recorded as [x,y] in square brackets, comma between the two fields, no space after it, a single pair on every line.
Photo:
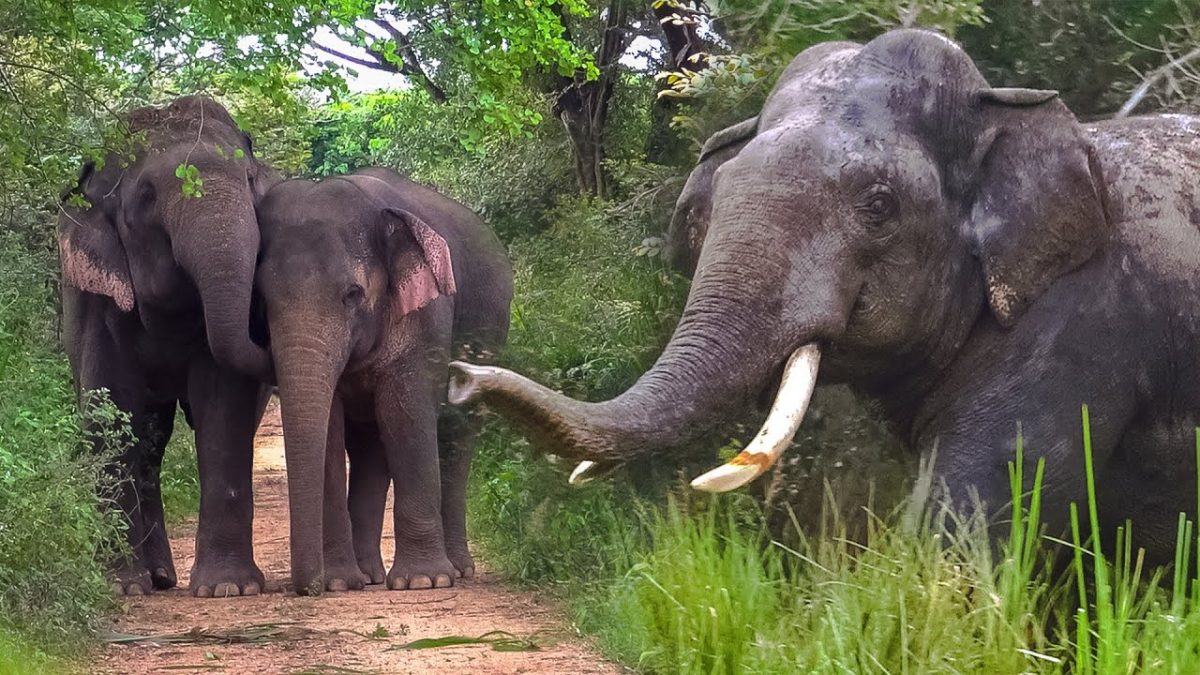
[180,475]
[710,591]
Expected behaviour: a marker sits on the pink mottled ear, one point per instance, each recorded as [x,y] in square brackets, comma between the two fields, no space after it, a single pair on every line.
[90,252]
[418,261]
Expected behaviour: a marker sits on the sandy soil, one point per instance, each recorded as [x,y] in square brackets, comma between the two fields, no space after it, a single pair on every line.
[355,632]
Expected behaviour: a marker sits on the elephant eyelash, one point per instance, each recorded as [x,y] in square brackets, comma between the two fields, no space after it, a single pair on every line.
[878,204]
[353,295]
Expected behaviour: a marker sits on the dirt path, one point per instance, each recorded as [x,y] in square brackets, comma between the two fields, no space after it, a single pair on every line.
[340,632]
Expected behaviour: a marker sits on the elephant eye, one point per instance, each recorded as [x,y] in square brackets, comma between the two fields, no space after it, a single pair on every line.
[878,204]
[354,295]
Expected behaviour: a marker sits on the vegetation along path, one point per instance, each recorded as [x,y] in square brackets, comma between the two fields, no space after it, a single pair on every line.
[372,631]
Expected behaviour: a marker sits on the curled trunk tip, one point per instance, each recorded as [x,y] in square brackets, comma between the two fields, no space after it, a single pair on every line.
[467,382]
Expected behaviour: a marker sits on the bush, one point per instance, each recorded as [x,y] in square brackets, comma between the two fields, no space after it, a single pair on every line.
[54,538]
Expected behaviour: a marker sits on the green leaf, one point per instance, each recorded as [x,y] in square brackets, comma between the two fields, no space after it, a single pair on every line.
[501,641]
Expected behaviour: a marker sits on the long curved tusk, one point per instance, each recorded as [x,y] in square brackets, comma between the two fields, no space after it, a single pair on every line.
[580,475]
[795,391]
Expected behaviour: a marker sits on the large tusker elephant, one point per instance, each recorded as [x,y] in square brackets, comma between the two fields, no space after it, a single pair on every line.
[372,282]
[156,309]
[967,256]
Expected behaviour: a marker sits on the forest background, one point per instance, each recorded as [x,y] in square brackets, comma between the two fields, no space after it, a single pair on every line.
[569,125]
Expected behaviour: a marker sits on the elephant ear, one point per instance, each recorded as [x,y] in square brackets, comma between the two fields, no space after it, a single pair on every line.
[1037,205]
[738,134]
[90,250]
[419,265]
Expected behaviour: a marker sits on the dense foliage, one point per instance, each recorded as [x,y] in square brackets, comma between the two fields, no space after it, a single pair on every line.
[546,117]
[52,538]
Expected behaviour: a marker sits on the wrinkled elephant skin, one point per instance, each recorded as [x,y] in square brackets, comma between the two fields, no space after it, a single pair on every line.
[159,315]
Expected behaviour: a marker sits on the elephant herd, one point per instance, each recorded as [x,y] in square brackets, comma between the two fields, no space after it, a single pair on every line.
[351,294]
[968,257]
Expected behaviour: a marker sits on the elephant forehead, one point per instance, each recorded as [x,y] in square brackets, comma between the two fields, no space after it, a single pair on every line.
[811,84]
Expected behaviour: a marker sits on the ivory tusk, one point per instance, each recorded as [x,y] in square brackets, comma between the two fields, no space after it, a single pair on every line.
[579,475]
[787,412]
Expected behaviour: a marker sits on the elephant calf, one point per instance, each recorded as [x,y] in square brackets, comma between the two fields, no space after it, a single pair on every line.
[371,282]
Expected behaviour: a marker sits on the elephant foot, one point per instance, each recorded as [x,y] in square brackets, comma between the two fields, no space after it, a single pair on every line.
[372,569]
[162,570]
[460,557]
[156,557]
[132,580]
[344,575]
[163,577]
[410,573]
[226,578]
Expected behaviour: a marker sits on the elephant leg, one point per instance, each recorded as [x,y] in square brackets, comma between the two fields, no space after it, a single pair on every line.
[974,449]
[457,431]
[369,481]
[341,566]
[102,364]
[156,548]
[406,408]
[225,407]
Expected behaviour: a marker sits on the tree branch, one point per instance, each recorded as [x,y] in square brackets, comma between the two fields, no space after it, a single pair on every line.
[379,64]
[412,62]
[1152,79]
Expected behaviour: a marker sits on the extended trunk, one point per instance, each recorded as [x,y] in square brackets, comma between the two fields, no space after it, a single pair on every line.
[307,375]
[719,360]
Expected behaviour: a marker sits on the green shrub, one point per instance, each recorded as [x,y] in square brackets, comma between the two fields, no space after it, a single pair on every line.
[180,474]
[53,537]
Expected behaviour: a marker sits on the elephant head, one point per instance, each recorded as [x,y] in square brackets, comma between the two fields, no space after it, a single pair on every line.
[144,243]
[876,217]
[339,269]
[693,209]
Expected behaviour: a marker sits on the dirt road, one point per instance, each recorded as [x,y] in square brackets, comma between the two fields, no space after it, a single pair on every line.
[357,632]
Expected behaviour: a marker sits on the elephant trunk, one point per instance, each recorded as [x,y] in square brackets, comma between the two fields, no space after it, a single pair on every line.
[721,357]
[219,250]
[308,369]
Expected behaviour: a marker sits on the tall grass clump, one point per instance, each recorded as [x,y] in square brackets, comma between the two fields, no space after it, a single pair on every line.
[54,538]
[709,596]
[924,591]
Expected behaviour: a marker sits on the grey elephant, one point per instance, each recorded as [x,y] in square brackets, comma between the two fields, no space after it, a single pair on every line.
[969,257]
[156,309]
[372,283]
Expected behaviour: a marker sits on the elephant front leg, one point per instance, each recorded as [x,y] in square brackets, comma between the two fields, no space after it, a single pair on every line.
[408,426]
[456,445]
[369,481]
[225,409]
[341,566]
[102,364]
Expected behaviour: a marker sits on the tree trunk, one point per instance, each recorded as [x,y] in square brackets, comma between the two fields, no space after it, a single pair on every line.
[685,49]
[582,105]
